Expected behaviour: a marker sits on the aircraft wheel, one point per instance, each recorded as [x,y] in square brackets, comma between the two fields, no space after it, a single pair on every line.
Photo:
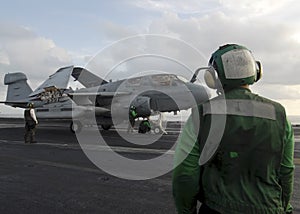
[75,126]
[157,130]
[106,127]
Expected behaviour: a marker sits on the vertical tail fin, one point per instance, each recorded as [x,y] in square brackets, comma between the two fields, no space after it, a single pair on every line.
[18,88]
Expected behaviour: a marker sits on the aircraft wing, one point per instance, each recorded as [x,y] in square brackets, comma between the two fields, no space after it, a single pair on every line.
[59,80]
[87,78]
[82,98]
[21,103]
[102,94]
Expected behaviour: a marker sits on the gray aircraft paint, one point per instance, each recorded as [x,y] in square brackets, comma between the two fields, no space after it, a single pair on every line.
[151,93]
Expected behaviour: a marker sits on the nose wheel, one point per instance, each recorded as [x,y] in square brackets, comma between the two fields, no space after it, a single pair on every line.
[157,130]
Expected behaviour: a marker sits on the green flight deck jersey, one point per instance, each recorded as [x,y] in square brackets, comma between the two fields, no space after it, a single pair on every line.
[251,170]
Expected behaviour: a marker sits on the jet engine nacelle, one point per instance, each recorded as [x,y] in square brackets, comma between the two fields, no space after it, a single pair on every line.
[142,105]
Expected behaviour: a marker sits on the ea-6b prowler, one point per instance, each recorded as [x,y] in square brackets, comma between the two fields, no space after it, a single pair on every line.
[105,99]
[147,93]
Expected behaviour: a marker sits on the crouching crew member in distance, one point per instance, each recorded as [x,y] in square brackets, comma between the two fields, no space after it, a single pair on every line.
[145,126]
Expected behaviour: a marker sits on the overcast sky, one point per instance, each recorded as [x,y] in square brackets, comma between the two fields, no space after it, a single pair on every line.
[38,37]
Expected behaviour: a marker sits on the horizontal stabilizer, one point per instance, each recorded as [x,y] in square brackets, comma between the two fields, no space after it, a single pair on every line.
[15,104]
[87,78]
[18,88]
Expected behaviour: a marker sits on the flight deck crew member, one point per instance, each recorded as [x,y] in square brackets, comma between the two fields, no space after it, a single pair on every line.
[30,124]
[132,117]
[145,126]
[251,170]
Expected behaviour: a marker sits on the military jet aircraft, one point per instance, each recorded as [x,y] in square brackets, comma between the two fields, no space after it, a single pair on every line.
[106,99]
[161,92]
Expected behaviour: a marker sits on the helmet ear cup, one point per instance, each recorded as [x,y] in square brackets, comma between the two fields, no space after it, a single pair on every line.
[259,71]
[210,78]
